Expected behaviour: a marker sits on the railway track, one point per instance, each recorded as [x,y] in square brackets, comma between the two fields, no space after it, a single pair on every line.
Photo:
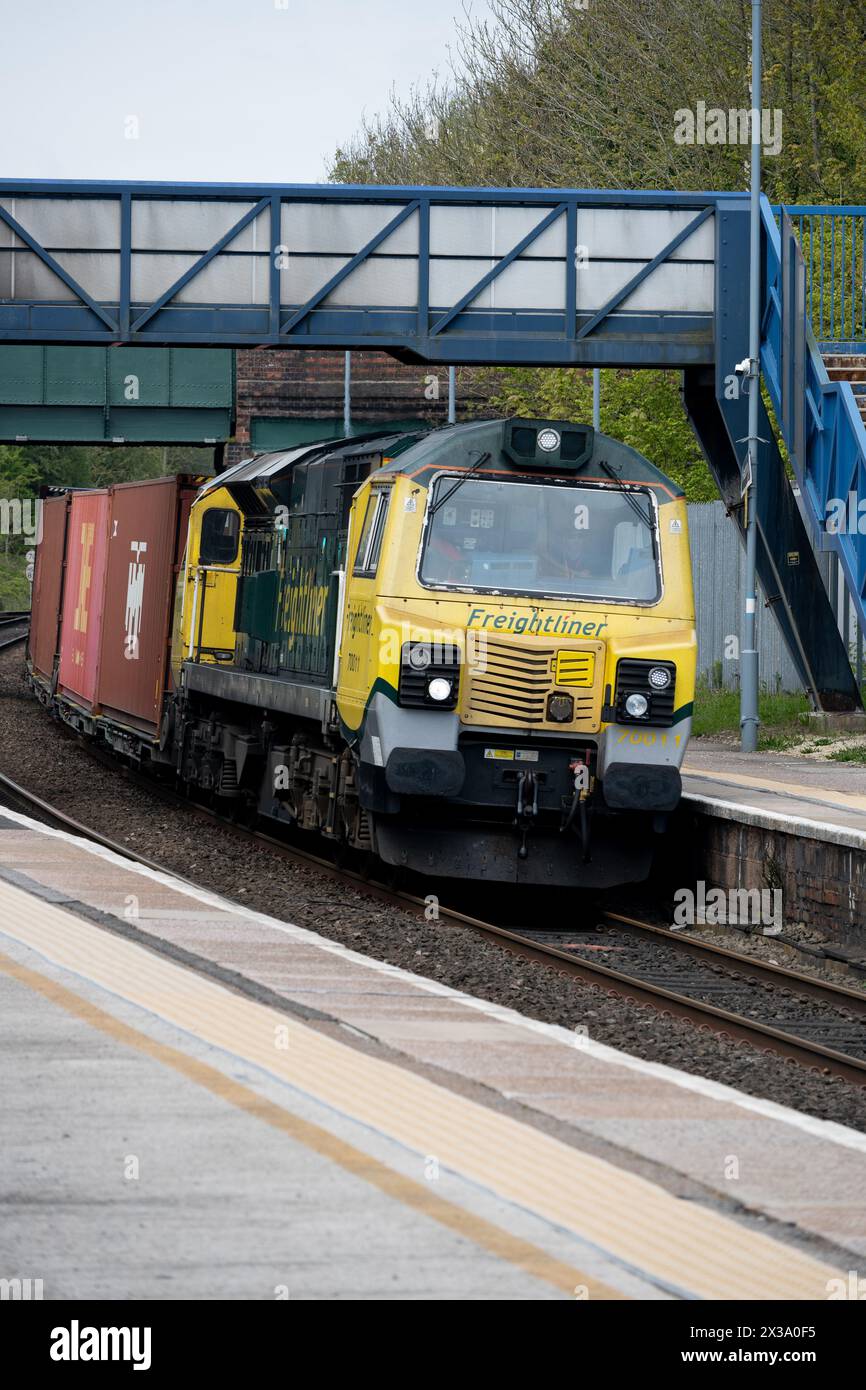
[13,628]
[817,1023]
[808,1021]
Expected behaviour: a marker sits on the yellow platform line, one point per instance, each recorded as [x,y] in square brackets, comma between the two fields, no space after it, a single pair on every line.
[842,801]
[418,1196]
[680,1244]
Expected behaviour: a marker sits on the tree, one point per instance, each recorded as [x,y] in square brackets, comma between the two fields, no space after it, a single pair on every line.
[548,93]
[558,94]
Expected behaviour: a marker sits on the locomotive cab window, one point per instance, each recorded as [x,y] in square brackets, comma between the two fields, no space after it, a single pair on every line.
[372,533]
[220,529]
[568,540]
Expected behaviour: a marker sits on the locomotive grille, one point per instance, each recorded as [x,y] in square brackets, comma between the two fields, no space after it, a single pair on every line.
[510,685]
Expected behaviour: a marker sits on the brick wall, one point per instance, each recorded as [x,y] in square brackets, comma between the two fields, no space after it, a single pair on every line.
[293,383]
[823,884]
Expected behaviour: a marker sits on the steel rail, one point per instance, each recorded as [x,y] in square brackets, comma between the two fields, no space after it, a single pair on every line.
[827,992]
[13,630]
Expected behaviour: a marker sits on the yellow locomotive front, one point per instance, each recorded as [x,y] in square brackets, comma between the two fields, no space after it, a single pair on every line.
[517,654]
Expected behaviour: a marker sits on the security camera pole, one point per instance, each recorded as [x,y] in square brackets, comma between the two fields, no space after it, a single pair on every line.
[748,647]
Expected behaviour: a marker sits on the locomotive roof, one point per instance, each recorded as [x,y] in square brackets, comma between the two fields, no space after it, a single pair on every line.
[503,445]
[512,447]
[263,468]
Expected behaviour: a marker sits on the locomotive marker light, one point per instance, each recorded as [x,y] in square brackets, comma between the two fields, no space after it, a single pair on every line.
[659,678]
[420,657]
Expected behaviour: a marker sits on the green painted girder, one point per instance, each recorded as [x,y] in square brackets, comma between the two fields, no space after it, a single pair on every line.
[122,394]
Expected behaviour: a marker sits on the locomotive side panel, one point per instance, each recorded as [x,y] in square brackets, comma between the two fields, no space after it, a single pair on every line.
[290,583]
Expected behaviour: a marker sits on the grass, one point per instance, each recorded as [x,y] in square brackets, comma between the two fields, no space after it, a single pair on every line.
[14,589]
[779,743]
[718,712]
[849,755]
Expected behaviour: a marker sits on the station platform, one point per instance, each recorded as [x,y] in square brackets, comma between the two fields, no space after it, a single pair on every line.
[796,824]
[202,1101]
[823,800]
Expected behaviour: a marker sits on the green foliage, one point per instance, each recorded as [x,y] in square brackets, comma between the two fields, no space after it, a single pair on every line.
[26,468]
[855,754]
[548,93]
[718,712]
[31,466]
[14,588]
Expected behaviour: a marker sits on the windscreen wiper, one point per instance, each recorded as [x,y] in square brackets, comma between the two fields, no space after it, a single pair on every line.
[460,481]
[627,494]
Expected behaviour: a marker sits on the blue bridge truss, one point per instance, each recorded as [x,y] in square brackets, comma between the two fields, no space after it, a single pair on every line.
[494,276]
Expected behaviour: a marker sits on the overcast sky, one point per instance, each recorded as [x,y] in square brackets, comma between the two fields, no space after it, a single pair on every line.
[221,90]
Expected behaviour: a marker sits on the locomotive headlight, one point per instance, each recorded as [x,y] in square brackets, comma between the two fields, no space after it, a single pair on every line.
[548,440]
[429,675]
[645,691]
[637,706]
[439,688]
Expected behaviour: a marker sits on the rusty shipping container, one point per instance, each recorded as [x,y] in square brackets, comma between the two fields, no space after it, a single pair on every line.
[83,594]
[146,535]
[44,640]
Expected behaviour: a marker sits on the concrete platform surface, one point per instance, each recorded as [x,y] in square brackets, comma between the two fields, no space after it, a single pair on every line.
[304,1118]
[822,800]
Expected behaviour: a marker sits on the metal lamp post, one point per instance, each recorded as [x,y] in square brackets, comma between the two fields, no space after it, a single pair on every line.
[748,646]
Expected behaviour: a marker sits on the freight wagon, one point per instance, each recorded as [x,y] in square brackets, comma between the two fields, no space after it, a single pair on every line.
[103,591]
[469,651]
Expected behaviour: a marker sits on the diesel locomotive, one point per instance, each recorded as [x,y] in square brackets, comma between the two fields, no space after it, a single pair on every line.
[468,651]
